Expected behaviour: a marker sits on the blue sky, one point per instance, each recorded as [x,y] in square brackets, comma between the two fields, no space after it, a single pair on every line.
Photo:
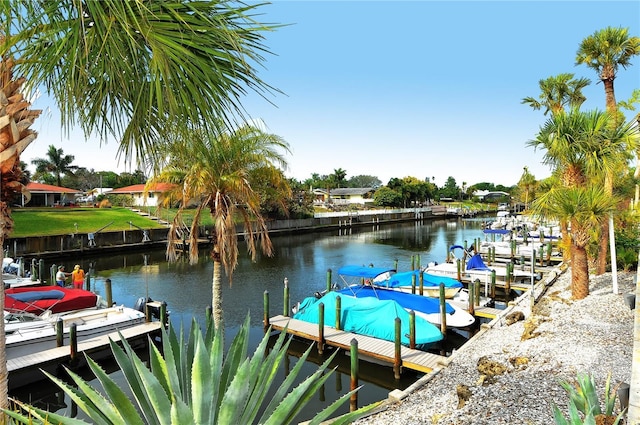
[426,89]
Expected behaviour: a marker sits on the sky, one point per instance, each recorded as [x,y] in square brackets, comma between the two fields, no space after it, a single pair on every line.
[428,89]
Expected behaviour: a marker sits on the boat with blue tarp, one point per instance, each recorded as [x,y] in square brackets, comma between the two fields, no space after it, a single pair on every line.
[368,316]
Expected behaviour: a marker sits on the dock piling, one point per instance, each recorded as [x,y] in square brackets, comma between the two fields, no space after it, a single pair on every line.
[353,402]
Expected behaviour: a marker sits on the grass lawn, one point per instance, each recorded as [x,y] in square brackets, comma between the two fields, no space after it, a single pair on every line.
[59,221]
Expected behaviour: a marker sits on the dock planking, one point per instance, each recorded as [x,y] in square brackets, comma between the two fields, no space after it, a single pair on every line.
[24,369]
[378,349]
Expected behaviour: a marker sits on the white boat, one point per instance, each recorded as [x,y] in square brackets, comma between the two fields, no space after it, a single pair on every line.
[374,279]
[476,269]
[27,333]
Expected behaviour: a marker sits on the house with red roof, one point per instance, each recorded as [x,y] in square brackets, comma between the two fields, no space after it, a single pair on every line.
[142,195]
[47,195]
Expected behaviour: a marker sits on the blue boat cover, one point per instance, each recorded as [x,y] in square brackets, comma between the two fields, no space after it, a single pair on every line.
[367,316]
[364,272]
[476,263]
[415,302]
[404,279]
[31,296]
[497,231]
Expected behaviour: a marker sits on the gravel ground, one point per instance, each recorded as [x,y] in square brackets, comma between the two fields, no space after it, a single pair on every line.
[593,335]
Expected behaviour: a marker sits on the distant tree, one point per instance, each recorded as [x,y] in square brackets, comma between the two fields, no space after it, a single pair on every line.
[387,197]
[526,187]
[338,178]
[109,179]
[129,179]
[450,189]
[56,163]
[364,181]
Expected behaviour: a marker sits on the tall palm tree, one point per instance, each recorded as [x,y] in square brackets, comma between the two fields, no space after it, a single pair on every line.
[126,70]
[562,137]
[605,51]
[584,208]
[559,92]
[56,163]
[217,173]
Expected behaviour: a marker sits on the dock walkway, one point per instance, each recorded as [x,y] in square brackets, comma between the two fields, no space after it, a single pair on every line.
[378,349]
[26,369]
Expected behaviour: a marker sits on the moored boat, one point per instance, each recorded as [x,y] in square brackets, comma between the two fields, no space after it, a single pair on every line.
[367,316]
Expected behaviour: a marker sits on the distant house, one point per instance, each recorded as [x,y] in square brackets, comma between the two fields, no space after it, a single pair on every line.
[47,195]
[137,193]
[487,195]
[345,195]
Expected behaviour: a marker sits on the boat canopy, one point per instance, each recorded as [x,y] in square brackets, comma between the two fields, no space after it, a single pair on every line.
[476,263]
[401,279]
[364,272]
[497,231]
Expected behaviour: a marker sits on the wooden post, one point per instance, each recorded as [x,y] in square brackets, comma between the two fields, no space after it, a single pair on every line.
[285,307]
[395,264]
[148,316]
[418,260]
[476,295]
[459,270]
[164,319]
[421,291]
[471,305]
[73,342]
[493,284]
[413,283]
[443,311]
[353,401]
[265,310]
[87,280]
[34,271]
[338,311]
[320,328]
[412,329]
[328,280]
[107,289]
[413,263]
[41,274]
[59,333]
[397,363]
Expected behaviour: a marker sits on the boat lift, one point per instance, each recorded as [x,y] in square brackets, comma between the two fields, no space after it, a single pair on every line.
[145,233]
[92,236]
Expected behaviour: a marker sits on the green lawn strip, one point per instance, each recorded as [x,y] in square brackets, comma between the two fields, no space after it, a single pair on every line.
[60,221]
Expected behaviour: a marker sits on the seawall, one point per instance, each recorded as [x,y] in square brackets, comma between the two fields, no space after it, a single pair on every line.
[78,244]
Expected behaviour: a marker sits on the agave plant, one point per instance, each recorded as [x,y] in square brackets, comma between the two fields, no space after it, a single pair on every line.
[193,383]
[584,404]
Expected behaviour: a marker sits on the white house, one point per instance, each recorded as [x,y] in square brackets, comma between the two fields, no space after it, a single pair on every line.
[345,195]
[137,193]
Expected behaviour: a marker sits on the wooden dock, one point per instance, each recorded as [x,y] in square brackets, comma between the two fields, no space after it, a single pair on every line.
[378,349]
[27,369]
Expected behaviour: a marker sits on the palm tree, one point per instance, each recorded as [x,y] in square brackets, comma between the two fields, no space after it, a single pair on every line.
[127,70]
[527,187]
[562,136]
[584,208]
[56,163]
[557,93]
[217,173]
[604,52]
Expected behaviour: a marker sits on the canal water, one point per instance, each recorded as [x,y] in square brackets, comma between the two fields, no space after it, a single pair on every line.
[303,259]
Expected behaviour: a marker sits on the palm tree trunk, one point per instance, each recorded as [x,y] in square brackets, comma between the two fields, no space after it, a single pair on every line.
[579,273]
[216,301]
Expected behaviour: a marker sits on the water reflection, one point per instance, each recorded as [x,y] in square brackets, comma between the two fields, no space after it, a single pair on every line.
[304,259]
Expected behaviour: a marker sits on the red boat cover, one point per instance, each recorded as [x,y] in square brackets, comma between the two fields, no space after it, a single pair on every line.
[38,299]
